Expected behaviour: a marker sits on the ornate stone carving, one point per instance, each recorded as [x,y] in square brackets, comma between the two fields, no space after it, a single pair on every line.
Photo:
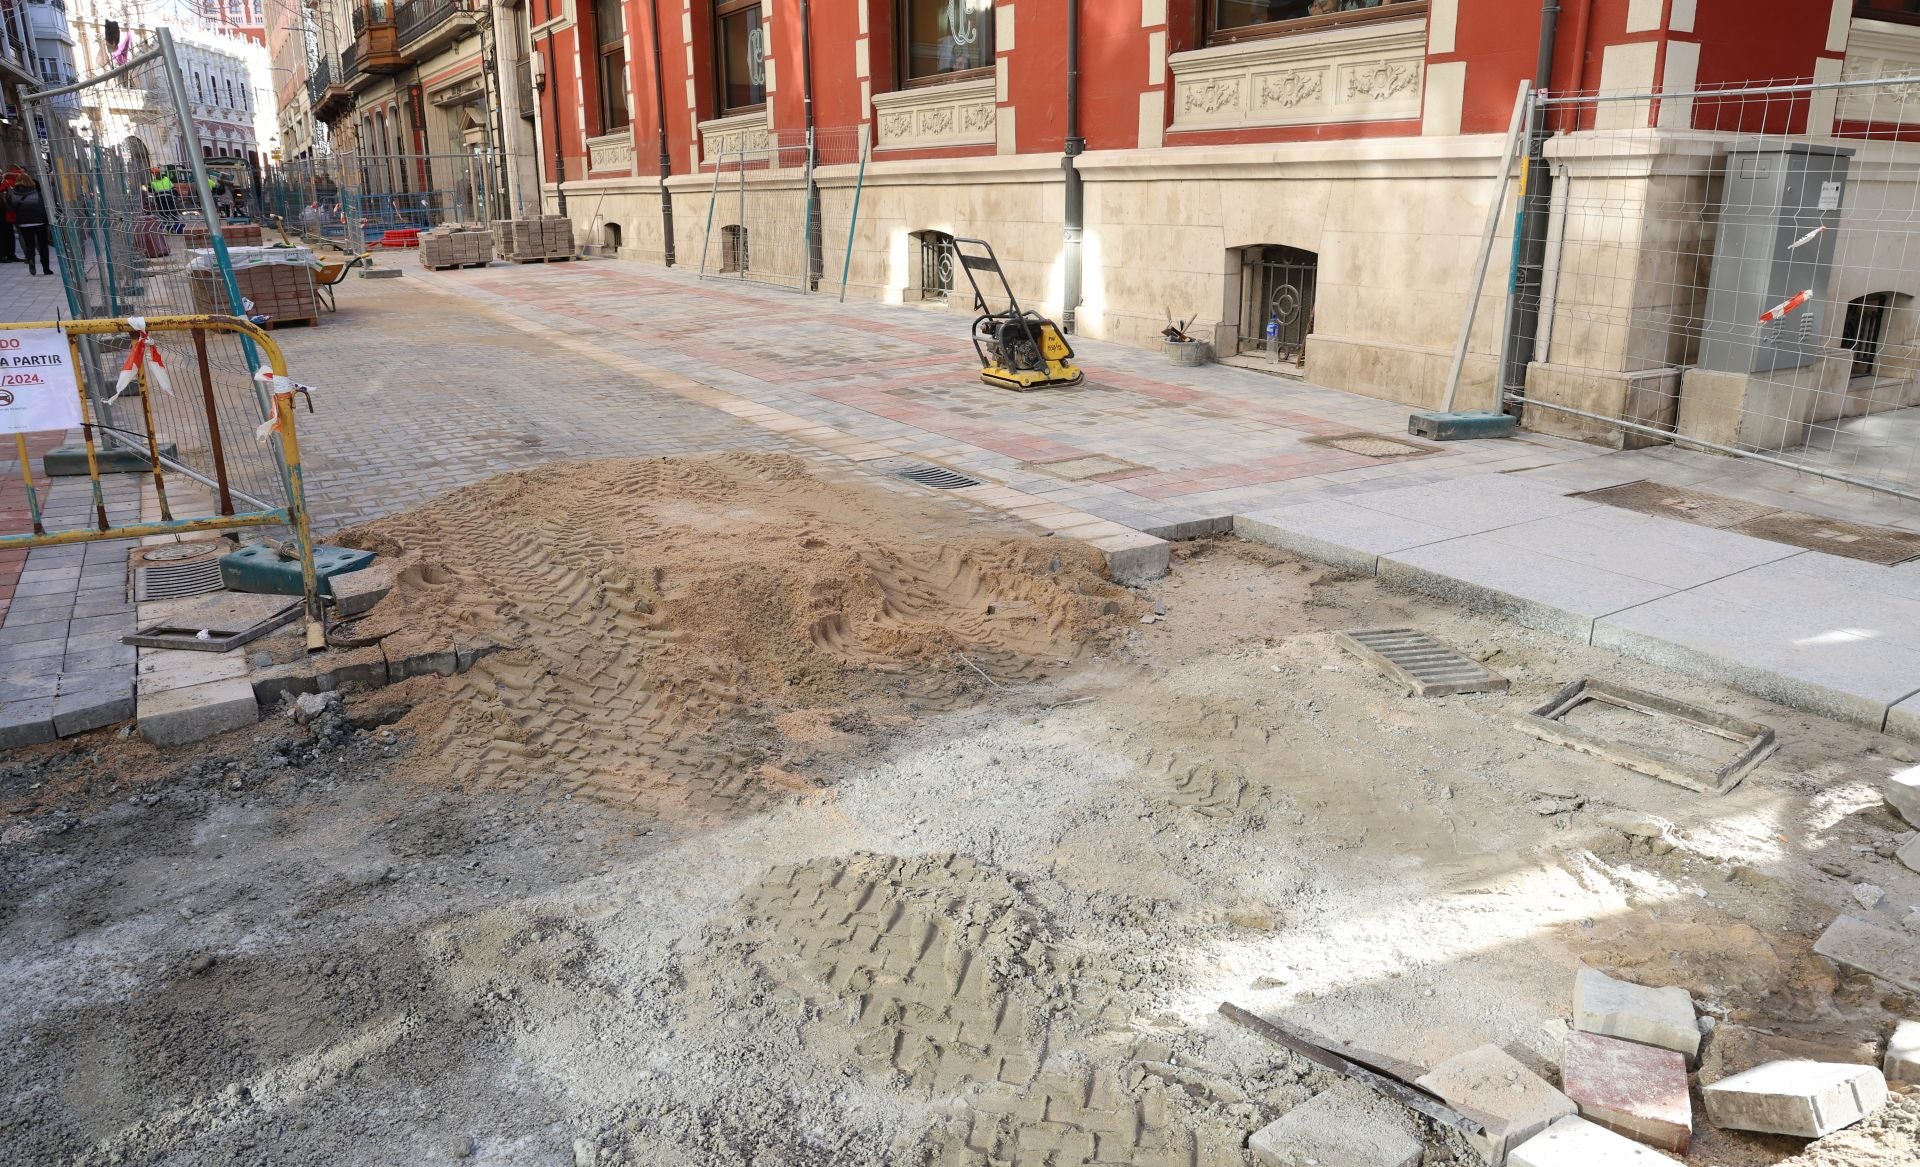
[1876,49]
[1360,73]
[957,114]
[612,153]
[1382,79]
[1290,89]
[746,134]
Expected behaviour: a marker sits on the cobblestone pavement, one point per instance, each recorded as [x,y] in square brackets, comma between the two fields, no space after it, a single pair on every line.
[1141,443]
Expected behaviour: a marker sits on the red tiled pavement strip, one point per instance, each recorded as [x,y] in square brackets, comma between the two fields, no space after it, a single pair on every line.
[16,517]
[1190,444]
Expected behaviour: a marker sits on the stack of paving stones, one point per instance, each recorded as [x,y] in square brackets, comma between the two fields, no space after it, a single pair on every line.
[63,669]
[236,235]
[1624,1091]
[456,246]
[282,292]
[543,238]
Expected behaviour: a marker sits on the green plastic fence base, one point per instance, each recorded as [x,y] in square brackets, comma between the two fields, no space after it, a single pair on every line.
[1453,427]
[258,568]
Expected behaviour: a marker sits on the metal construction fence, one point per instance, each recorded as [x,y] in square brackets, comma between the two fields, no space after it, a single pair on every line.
[765,221]
[357,200]
[1731,269]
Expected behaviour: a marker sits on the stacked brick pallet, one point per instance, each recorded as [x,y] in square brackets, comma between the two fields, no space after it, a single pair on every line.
[456,246]
[539,240]
[281,291]
[236,235]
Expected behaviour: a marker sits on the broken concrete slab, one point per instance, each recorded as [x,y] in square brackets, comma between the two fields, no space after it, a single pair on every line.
[1855,944]
[1902,792]
[178,716]
[1575,1142]
[1514,1103]
[1736,1048]
[355,592]
[93,706]
[1639,1091]
[1805,1099]
[1615,1008]
[1347,1126]
[1903,1054]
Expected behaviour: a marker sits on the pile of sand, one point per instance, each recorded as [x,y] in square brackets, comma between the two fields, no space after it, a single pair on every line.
[653,614]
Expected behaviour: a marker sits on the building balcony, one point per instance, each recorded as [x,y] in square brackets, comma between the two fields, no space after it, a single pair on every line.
[419,21]
[376,42]
[325,92]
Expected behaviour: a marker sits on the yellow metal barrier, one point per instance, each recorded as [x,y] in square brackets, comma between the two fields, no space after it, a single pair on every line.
[294,515]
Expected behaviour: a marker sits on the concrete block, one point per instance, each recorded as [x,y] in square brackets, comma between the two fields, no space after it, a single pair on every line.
[1635,1090]
[355,592]
[1575,1142]
[1902,792]
[1336,533]
[178,716]
[1660,551]
[26,723]
[1134,558]
[101,701]
[1514,1103]
[1347,1126]
[1529,588]
[283,682]
[167,668]
[1910,854]
[1903,1053]
[1612,1008]
[1892,956]
[1805,1099]
[1466,506]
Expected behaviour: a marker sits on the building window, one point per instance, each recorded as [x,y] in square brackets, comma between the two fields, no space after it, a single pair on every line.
[199,94]
[742,42]
[936,264]
[1900,11]
[1229,20]
[942,38]
[1277,291]
[229,93]
[733,249]
[1866,330]
[610,31]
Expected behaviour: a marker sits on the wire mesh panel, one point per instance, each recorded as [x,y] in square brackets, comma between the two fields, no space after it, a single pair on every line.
[132,237]
[767,221]
[358,200]
[1734,269]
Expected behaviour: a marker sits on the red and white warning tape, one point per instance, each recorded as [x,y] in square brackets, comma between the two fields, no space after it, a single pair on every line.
[1793,305]
[144,352]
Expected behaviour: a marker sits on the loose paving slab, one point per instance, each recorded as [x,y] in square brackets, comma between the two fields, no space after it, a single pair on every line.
[1574,1142]
[1806,1099]
[1347,1126]
[1903,1053]
[1902,792]
[1468,506]
[1631,1089]
[1338,533]
[175,717]
[1514,1103]
[1855,944]
[1616,1008]
[1659,551]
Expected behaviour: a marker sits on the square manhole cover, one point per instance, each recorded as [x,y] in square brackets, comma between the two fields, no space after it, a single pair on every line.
[1678,502]
[1424,665]
[1372,445]
[1081,469]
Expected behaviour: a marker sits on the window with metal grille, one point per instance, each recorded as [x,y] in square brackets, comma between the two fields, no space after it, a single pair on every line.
[936,264]
[1276,300]
[1231,20]
[733,248]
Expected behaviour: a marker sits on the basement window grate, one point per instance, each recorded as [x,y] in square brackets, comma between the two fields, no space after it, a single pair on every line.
[938,477]
[170,581]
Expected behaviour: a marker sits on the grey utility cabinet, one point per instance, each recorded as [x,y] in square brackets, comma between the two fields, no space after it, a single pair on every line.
[1773,197]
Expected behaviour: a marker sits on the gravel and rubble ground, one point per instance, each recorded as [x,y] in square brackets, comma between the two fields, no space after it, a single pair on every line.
[940,885]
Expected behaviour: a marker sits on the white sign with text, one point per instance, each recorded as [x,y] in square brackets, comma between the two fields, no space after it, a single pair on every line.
[37,387]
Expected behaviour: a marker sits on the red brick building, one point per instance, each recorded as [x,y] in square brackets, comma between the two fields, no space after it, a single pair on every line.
[1346,147]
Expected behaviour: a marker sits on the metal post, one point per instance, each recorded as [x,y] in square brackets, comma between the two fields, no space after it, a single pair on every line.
[815,244]
[26,475]
[859,184]
[559,159]
[289,445]
[1499,200]
[713,200]
[153,440]
[86,433]
[1076,207]
[660,116]
[213,421]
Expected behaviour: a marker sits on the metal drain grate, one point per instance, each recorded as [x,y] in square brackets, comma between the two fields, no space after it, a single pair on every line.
[1372,445]
[1425,666]
[170,581]
[938,477]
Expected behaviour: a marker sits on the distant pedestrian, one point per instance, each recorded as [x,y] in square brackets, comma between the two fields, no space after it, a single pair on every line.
[29,209]
[7,180]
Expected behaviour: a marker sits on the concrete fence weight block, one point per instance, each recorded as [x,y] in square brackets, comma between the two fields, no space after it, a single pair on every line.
[1613,1008]
[1805,1099]
[1902,793]
[1856,944]
[1574,1142]
[1515,1103]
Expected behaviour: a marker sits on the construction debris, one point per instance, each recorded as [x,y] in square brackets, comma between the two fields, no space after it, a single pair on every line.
[1752,741]
[1426,667]
[1903,1054]
[1516,1103]
[1574,1142]
[1855,944]
[1613,1008]
[1349,1125]
[1807,1099]
[1635,1090]
[1902,793]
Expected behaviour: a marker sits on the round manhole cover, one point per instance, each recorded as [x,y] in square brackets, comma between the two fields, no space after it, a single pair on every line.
[180,552]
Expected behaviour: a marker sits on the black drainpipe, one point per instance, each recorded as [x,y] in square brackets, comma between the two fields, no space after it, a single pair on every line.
[816,247]
[1523,322]
[1076,194]
[553,89]
[660,116]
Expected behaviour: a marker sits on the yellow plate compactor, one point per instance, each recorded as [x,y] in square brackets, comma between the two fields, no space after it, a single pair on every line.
[1019,348]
